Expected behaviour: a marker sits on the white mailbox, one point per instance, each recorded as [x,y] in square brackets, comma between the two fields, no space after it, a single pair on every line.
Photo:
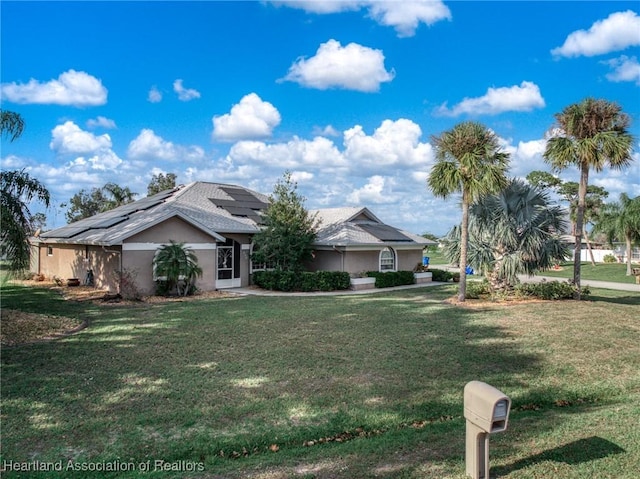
[486,410]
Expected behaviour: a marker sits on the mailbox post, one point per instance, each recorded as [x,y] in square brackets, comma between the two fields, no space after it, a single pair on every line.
[486,410]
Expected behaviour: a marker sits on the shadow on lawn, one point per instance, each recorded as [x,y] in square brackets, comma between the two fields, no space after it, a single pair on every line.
[576,452]
[631,299]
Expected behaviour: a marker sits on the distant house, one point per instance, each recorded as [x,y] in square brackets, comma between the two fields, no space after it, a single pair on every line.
[217,221]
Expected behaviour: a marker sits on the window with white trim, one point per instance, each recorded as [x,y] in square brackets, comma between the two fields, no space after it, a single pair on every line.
[49,250]
[387,260]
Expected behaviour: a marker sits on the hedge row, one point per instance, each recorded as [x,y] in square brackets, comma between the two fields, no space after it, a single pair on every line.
[392,278]
[301,281]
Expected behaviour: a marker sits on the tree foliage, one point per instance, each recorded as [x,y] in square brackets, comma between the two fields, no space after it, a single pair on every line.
[11,124]
[177,265]
[286,241]
[161,182]
[17,222]
[620,221]
[469,161]
[591,134]
[18,190]
[516,231]
[85,204]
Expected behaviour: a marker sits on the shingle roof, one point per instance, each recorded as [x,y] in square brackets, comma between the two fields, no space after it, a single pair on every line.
[195,203]
[220,209]
[358,226]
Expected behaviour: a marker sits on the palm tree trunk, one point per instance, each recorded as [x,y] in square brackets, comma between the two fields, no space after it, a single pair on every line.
[577,254]
[586,237]
[464,242]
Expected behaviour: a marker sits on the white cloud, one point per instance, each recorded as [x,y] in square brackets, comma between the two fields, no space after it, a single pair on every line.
[618,31]
[69,138]
[326,131]
[71,88]
[154,96]
[353,67]
[406,16]
[184,94]
[323,6]
[403,15]
[149,146]
[375,191]
[94,152]
[524,97]
[624,69]
[320,153]
[251,118]
[393,144]
[101,122]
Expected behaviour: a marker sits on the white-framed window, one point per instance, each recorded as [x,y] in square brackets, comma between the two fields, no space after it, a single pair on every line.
[387,260]
[49,250]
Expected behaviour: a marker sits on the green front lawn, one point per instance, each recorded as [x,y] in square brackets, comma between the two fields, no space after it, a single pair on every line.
[614,272]
[354,386]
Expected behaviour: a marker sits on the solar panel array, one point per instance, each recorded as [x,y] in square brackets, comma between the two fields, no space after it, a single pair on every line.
[384,232]
[108,218]
[244,204]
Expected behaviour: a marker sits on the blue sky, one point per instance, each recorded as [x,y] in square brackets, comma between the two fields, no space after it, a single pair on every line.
[345,95]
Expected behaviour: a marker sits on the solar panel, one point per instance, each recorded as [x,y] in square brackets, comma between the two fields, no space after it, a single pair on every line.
[65,232]
[384,232]
[244,204]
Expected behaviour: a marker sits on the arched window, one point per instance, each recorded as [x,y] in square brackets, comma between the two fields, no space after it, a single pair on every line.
[387,260]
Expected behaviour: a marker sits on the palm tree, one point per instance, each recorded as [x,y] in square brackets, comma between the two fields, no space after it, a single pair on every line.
[468,161]
[178,266]
[590,135]
[18,189]
[119,196]
[516,231]
[621,220]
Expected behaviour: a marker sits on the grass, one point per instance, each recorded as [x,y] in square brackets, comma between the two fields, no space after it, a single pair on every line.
[316,387]
[613,272]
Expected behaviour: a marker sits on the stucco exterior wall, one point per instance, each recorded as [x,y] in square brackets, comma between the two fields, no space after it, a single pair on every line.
[175,229]
[409,259]
[72,261]
[139,250]
[355,262]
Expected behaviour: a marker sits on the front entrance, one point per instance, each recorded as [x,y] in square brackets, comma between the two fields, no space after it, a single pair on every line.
[228,270]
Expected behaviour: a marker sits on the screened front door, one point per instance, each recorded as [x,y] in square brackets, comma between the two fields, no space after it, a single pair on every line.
[228,270]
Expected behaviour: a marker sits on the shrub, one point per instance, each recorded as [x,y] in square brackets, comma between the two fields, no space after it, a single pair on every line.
[549,290]
[478,289]
[279,280]
[609,258]
[392,278]
[440,275]
[128,287]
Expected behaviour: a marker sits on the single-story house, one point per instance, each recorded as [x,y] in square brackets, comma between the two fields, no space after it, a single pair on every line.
[217,221]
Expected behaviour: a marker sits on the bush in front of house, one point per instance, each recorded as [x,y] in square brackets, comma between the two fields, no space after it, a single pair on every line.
[609,258]
[306,281]
[440,275]
[549,290]
[478,289]
[391,278]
